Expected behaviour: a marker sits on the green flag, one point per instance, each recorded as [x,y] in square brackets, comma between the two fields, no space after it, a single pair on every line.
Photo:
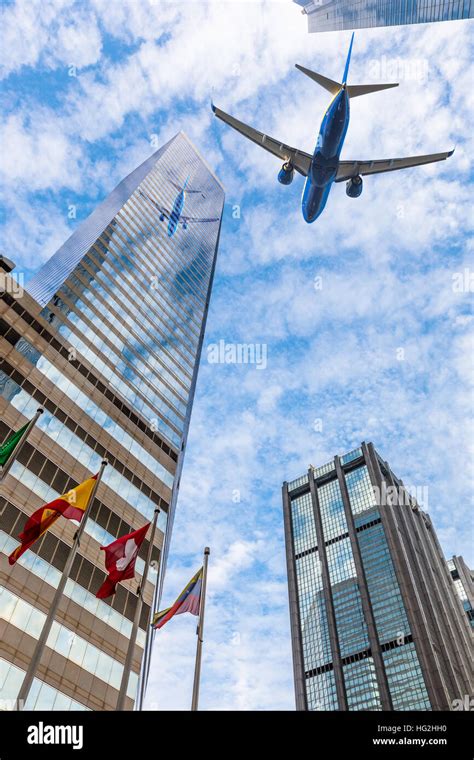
[7,448]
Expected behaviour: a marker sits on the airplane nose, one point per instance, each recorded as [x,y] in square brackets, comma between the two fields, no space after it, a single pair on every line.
[314,201]
[310,215]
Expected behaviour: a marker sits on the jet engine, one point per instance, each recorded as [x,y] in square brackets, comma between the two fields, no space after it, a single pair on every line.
[286,173]
[354,187]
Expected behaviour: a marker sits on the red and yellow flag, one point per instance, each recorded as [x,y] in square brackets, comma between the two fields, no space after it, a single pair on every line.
[71,505]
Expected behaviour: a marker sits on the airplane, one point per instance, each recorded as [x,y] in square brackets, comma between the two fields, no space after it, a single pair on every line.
[175,216]
[324,166]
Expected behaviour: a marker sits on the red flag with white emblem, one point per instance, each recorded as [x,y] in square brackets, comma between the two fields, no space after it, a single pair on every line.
[120,557]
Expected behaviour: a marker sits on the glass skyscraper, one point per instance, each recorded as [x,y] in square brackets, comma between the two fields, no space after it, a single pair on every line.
[375,622]
[333,15]
[463,580]
[107,339]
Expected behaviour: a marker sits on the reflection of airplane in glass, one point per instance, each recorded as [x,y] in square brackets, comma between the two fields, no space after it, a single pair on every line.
[324,166]
[175,216]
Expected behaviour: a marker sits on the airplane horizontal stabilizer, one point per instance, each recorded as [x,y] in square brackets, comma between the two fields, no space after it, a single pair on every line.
[354,90]
[328,84]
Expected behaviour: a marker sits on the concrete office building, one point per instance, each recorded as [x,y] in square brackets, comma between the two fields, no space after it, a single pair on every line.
[375,620]
[107,338]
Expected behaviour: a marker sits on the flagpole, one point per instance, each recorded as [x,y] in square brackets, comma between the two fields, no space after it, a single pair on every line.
[148,644]
[200,633]
[41,643]
[5,470]
[136,620]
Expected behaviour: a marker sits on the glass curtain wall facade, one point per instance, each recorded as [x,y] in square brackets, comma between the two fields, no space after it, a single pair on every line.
[370,624]
[463,580]
[107,339]
[334,15]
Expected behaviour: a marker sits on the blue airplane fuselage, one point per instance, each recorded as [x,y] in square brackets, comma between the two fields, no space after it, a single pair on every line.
[178,206]
[326,156]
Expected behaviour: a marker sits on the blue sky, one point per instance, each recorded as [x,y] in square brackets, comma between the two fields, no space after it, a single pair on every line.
[368,331]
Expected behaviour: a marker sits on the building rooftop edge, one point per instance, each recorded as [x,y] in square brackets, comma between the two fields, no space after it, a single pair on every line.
[205,162]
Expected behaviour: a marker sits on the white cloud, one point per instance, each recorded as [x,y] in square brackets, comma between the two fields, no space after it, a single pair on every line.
[40,157]
[56,33]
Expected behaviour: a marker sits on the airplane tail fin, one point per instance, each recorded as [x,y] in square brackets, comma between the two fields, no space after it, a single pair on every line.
[346,68]
[353,90]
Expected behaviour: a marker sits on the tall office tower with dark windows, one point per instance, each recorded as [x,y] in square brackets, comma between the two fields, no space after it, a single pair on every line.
[107,338]
[333,15]
[375,622]
[463,580]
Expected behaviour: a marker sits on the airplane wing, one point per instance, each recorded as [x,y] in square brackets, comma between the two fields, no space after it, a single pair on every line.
[348,169]
[300,160]
[180,187]
[164,211]
[197,219]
